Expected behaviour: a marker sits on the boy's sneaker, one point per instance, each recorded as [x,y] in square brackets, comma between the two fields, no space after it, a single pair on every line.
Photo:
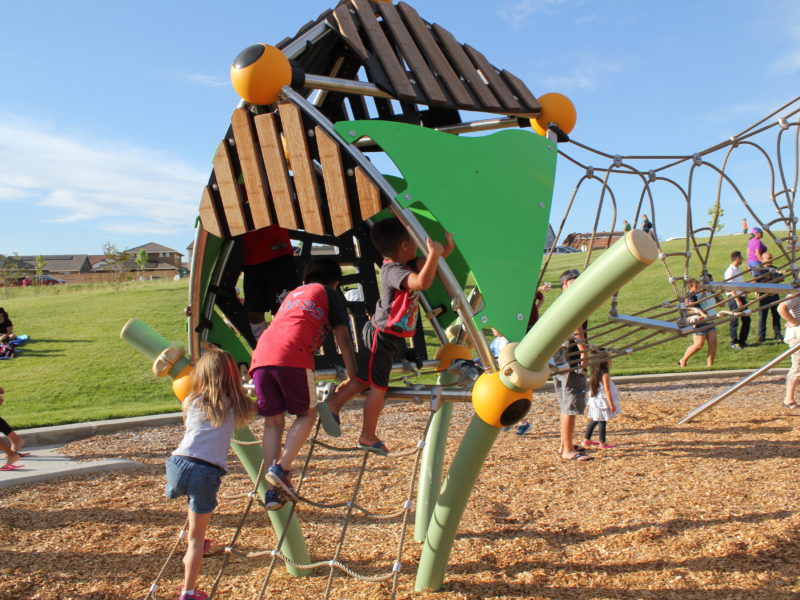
[282,479]
[272,500]
[523,429]
[735,347]
[196,595]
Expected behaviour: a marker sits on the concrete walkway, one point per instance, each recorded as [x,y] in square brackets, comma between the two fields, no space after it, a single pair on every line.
[45,462]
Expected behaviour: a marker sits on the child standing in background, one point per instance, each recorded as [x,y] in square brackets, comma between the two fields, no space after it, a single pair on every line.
[403,276]
[603,403]
[11,450]
[214,407]
[283,368]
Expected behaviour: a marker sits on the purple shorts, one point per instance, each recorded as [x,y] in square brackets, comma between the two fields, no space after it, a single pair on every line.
[280,389]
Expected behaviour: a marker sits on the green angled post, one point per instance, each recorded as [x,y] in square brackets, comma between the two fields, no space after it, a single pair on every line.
[432,464]
[604,277]
[151,344]
[492,394]
[294,544]
[452,501]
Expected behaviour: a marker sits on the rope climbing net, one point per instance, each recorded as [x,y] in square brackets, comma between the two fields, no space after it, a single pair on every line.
[774,141]
[356,466]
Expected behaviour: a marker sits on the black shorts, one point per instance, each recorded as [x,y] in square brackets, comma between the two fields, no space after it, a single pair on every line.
[375,367]
[5,428]
[266,283]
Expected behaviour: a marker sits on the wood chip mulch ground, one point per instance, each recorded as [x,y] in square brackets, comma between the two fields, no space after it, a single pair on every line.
[704,510]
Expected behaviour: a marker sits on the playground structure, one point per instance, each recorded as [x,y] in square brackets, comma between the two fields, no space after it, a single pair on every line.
[367,79]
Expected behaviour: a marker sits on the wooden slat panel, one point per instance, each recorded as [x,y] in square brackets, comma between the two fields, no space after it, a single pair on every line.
[369,196]
[522,92]
[305,180]
[384,51]
[411,53]
[330,157]
[496,82]
[435,56]
[208,214]
[252,173]
[229,191]
[466,68]
[349,31]
[277,173]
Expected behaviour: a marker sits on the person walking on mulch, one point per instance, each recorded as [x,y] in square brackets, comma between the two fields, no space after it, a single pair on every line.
[603,403]
[12,449]
[789,309]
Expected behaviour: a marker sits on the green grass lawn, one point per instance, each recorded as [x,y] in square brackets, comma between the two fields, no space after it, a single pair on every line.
[75,368]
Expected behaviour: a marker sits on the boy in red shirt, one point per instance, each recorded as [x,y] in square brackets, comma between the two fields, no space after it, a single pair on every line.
[283,367]
[403,276]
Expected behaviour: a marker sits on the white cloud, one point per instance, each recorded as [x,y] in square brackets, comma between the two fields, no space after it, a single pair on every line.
[207,80]
[518,11]
[585,75]
[78,179]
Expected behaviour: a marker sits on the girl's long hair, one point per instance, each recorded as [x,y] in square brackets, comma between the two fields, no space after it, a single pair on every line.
[217,386]
[596,372]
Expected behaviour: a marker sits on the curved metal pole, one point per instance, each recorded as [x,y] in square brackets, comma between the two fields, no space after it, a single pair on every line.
[449,281]
[735,388]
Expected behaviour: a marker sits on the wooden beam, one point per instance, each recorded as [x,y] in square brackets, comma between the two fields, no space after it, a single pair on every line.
[330,157]
[250,161]
[436,58]
[229,191]
[349,31]
[466,68]
[369,196]
[411,53]
[384,51]
[277,173]
[209,217]
[305,180]
[510,103]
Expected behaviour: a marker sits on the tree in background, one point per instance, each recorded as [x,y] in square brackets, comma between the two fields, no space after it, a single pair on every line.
[39,268]
[115,262]
[716,212]
[11,270]
[141,261]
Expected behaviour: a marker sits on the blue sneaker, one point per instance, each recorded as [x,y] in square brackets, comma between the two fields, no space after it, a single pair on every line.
[283,480]
[272,500]
[197,595]
[524,428]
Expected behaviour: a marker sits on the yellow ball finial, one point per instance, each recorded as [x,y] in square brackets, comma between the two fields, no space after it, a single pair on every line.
[182,384]
[259,73]
[450,352]
[496,404]
[558,109]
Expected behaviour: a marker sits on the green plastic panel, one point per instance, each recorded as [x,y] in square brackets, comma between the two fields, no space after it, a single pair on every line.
[493,192]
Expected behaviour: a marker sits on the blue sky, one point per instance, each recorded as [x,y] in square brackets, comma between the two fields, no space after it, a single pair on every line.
[110,112]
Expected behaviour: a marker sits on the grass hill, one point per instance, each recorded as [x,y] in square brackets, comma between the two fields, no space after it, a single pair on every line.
[75,368]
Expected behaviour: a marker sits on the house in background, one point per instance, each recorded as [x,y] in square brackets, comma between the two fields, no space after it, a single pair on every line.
[69,267]
[602,240]
[157,254]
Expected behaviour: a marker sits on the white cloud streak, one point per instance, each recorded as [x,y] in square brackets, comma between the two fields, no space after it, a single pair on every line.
[77,179]
[517,12]
[207,80]
[585,75]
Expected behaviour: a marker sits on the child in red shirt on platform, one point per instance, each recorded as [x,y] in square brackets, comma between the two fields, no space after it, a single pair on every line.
[403,276]
[283,368]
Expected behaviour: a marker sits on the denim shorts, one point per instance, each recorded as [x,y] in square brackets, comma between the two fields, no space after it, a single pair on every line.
[198,482]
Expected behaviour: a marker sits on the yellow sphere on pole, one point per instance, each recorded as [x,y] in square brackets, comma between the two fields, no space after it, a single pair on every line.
[450,352]
[496,404]
[558,109]
[182,384]
[259,73]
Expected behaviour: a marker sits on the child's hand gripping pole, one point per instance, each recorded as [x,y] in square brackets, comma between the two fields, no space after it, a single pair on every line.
[503,398]
[168,358]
